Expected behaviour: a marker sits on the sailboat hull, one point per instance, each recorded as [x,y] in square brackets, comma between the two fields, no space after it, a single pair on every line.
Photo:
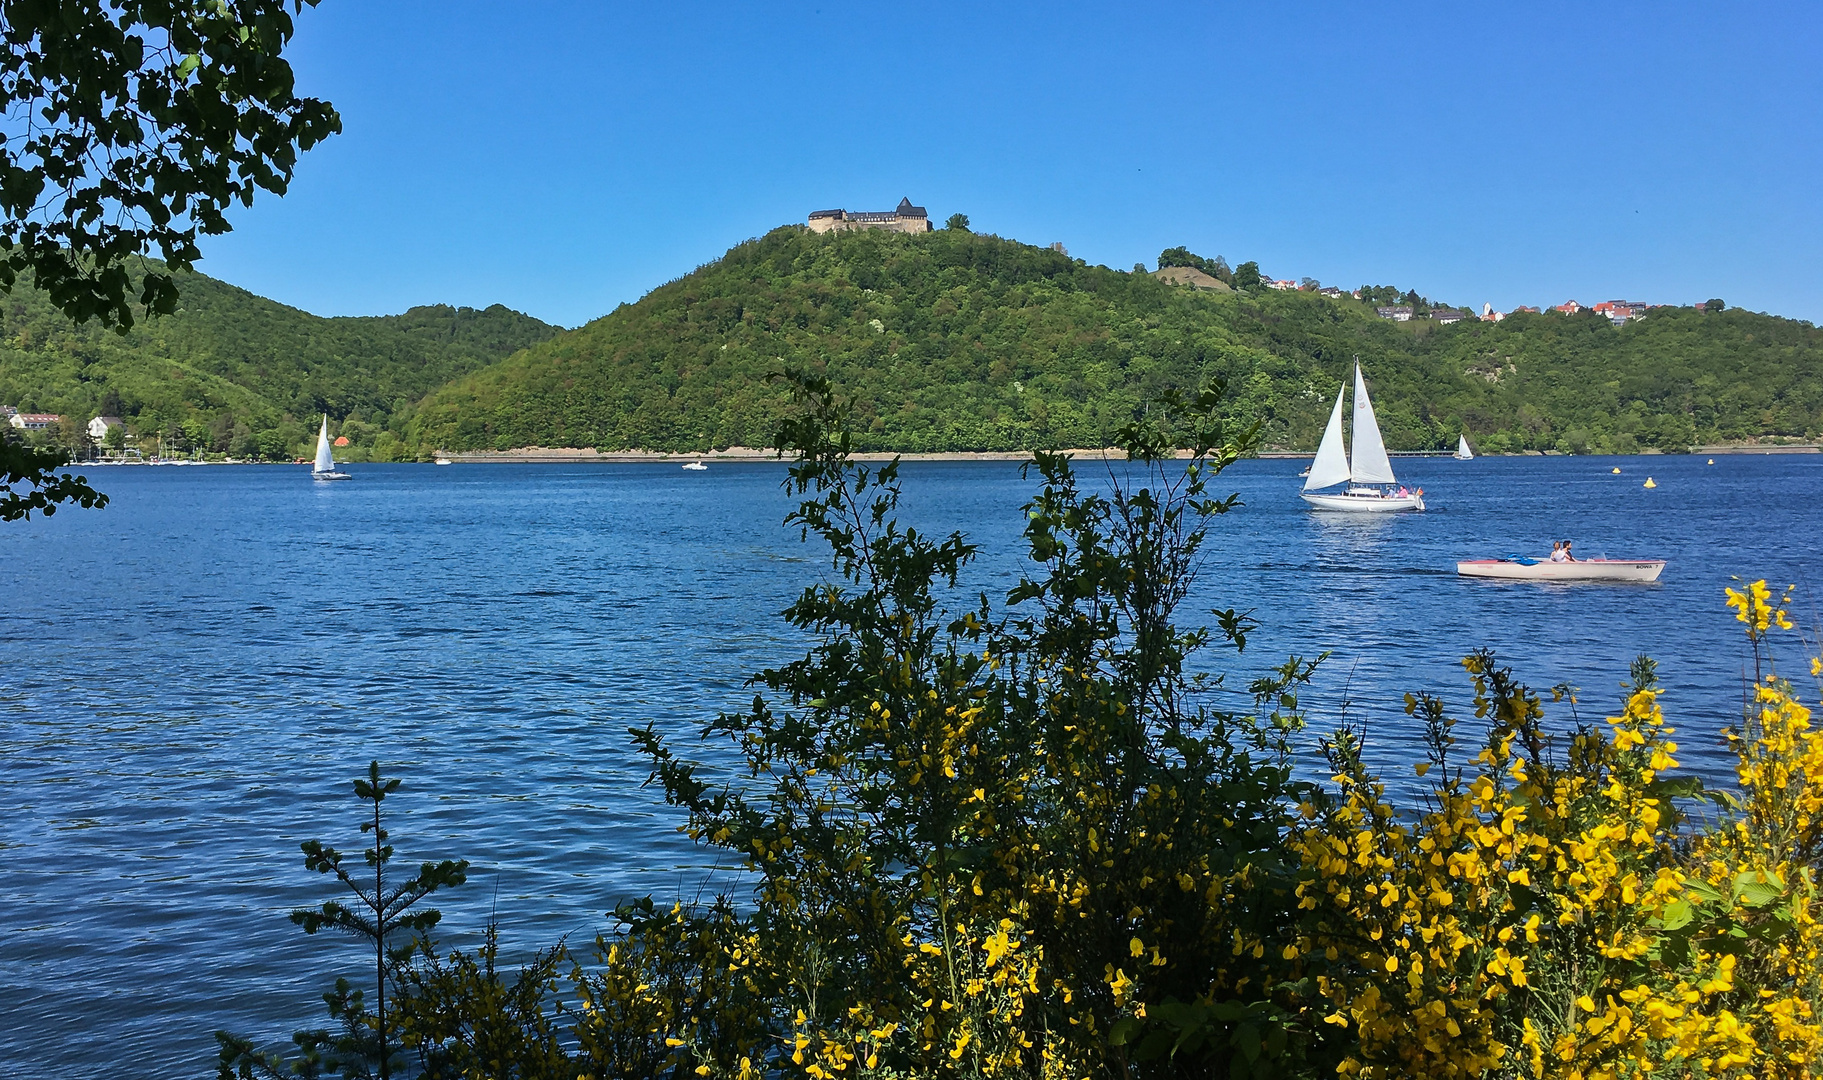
[331,475]
[1364,503]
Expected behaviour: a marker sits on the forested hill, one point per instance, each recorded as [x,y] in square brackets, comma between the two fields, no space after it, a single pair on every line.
[236,373]
[955,341]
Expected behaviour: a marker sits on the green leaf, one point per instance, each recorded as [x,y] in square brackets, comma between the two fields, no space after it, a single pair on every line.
[1676,787]
[1703,892]
[1676,916]
[1247,1040]
[1750,889]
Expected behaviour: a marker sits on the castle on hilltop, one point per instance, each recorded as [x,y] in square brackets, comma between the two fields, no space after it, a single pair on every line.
[905,218]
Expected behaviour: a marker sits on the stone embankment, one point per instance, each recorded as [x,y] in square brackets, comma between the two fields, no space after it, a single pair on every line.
[540,455]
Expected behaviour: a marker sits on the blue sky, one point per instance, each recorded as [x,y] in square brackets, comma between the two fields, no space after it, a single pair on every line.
[563,157]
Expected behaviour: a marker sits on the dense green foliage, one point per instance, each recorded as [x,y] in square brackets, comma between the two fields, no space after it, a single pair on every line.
[954,341]
[133,126]
[231,372]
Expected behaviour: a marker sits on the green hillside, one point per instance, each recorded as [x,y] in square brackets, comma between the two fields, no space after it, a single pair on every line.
[954,341]
[231,372]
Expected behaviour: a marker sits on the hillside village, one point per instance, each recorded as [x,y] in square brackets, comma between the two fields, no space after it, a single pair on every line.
[1617,311]
[1177,266]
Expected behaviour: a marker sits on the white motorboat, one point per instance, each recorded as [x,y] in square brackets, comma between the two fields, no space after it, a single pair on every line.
[1580,570]
[1367,479]
[325,469]
[444,461]
[1463,453]
[696,466]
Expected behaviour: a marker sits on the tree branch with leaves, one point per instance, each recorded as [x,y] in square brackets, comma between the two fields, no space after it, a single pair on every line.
[130,127]
[29,481]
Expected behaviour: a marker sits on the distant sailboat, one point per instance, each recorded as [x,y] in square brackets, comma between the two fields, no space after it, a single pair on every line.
[1371,485]
[696,466]
[325,458]
[1463,453]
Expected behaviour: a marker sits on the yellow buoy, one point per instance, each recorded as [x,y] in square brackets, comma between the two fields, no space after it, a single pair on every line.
[1712,461]
[1649,482]
[1617,470]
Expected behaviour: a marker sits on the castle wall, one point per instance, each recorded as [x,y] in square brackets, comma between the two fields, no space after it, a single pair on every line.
[889,222]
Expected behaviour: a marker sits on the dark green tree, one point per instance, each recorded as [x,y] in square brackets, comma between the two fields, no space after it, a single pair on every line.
[133,126]
[1179,256]
[1247,275]
[959,222]
[1714,305]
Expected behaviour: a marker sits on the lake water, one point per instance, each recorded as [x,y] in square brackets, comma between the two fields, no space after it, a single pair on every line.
[190,678]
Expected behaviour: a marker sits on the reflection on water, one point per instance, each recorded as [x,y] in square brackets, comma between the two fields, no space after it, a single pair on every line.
[189,678]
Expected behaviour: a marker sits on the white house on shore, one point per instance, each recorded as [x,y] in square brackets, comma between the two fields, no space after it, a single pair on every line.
[101,425]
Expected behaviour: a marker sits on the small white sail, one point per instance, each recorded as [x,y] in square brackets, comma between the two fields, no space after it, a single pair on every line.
[325,460]
[1462,448]
[1369,464]
[1331,465]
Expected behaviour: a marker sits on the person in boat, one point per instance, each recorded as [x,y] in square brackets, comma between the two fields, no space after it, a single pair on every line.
[1557,551]
[1567,557]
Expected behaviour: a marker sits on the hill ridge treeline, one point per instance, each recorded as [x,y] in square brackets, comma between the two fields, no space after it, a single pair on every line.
[235,373]
[951,341]
[946,341]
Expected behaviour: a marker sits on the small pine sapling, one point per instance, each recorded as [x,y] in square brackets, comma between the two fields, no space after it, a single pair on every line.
[379,915]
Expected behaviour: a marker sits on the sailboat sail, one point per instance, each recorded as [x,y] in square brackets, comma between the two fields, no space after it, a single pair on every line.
[1370,464]
[1331,465]
[325,459]
[1462,448]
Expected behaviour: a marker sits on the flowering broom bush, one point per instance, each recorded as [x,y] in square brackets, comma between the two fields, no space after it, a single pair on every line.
[1004,843]
[1562,916]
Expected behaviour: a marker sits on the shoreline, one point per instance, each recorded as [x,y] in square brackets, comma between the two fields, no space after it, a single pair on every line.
[539,455]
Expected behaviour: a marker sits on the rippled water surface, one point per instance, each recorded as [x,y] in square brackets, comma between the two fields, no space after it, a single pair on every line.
[190,678]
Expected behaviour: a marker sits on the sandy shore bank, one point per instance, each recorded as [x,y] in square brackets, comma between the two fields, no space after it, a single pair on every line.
[541,455]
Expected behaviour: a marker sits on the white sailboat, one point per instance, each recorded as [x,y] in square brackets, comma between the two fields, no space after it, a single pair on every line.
[1463,453]
[325,469]
[1367,474]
